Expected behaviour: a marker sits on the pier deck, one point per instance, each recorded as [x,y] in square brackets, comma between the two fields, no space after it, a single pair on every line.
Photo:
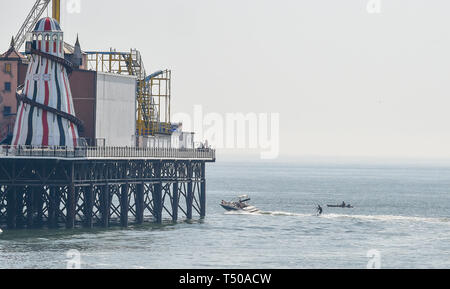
[100,186]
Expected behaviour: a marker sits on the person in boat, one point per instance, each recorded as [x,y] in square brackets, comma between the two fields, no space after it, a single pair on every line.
[344,205]
[319,210]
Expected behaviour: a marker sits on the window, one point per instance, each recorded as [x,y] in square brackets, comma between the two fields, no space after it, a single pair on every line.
[8,67]
[7,86]
[6,111]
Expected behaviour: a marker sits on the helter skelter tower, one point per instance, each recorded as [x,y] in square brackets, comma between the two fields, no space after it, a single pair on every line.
[46,116]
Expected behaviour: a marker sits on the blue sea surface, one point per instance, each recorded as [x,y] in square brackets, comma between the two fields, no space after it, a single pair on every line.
[401,212]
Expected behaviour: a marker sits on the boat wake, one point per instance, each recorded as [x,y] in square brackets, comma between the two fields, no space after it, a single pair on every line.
[279,213]
[387,218]
[262,213]
[383,218]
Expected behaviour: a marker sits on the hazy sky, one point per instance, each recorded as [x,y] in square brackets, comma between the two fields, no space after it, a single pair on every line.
[345,82]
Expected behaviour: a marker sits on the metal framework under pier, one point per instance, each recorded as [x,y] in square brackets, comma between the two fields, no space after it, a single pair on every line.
[65,192]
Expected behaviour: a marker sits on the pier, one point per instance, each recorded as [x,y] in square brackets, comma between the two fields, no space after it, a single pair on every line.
[68,119]
[100,186]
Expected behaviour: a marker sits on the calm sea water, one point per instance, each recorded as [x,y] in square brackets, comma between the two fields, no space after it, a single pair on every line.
[403,212]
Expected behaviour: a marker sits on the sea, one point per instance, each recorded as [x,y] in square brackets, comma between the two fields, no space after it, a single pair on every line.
[400,219]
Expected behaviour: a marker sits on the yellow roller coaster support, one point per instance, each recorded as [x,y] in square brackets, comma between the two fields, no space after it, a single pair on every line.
[56,10]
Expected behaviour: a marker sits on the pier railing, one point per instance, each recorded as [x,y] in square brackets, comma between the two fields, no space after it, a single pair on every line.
[106,152]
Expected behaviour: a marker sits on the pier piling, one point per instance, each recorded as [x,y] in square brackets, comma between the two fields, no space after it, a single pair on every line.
[69,192]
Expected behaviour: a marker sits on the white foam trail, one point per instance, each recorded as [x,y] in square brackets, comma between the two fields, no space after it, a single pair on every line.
[280,213]
[241,212]
[1,231]
[385,218]
[260,213]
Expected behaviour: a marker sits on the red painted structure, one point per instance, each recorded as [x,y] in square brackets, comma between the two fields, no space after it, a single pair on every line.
[82,83]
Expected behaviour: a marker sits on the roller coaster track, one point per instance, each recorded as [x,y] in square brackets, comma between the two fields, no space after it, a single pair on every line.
[31,20]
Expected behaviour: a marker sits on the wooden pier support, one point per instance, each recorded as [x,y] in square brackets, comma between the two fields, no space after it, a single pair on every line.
[69,193]
[20,207]
[175,201]
[139,201]
[189,200]
[55,215]
[124,205]
[157,202]
[30,205]
[157,193]
[89,199]
[190,190]
[39,195]
[70,207]
[105,209]
[11,209]
[203,192]
[53,207]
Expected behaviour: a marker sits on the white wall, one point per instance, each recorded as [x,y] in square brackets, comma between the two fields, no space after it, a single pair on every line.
[116,109]
[160,141]
[177,140]
[184,140]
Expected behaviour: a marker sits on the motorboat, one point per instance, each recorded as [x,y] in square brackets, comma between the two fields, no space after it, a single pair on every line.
[342,206]
[241,204]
